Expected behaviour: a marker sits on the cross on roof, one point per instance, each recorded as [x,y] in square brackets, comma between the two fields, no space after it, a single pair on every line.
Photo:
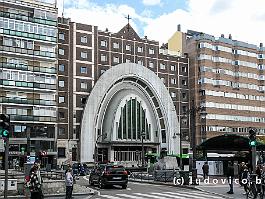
[128,18]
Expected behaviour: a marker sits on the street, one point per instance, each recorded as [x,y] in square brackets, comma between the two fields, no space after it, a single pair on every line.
[142,190]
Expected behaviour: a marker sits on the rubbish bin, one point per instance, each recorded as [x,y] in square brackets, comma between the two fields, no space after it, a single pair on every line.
[184,175]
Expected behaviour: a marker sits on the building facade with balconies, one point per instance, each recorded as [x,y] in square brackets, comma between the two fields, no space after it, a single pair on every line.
[28,76]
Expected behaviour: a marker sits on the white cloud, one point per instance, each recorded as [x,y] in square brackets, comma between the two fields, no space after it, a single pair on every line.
[245,20]
[108,16]
[151,2]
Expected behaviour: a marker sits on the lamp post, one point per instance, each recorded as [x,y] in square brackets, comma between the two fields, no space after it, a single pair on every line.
[193,111]
[96,148]
[142,137]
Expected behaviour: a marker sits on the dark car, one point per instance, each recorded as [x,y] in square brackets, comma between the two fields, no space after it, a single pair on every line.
[104,175]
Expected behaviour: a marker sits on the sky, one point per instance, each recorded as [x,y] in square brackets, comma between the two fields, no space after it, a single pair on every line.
[158,19]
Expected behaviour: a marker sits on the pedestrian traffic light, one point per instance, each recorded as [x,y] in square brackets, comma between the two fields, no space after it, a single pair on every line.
[252,137]
[4,125]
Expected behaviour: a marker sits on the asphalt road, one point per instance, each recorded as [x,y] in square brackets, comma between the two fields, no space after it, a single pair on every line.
[145,191]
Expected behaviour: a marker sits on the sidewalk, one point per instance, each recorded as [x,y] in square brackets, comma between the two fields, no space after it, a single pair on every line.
[219,185]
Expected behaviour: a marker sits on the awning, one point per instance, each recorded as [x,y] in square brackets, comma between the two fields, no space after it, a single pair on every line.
[228,142]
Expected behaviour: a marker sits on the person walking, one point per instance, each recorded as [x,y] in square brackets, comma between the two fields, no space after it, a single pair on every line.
[241,167]
[69,180]
[245,177]
[35,183]
[230,176]
[205,169]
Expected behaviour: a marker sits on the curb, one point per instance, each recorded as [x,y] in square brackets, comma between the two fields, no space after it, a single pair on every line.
[217,194]
[54,195]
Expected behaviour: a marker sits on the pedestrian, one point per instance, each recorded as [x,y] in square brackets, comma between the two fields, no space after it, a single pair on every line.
[230,176]
[35,183]
[245,177]
[263,180]
[69,183]
[240,171]
[205,169]
[258,173]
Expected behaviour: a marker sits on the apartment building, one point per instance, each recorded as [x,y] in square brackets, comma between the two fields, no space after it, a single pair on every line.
[85,54]
[226,82]
[28,76]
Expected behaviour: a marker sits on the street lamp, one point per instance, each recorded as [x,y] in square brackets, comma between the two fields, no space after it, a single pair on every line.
[193,111]
[142,137]
[96,148]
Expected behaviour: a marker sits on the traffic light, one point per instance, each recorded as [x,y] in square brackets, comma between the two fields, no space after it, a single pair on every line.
[4,125]
[252,137]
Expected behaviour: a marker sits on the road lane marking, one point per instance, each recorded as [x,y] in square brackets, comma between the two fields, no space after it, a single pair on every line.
[130,196]
[111,197]
[150,196]
[195,194]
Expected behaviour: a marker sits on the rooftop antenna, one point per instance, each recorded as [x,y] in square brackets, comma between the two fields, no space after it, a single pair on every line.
[128,18]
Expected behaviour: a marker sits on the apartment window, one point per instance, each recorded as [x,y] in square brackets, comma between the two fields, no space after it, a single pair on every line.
[61,51]
[173,94]
[184,95]
[140,62]
[116,45]
[163,79]
[61,83]
[151,51]
[128,47]
[61,131]
[84,55]
[103,57]
[140,49]
[184,109]
[84,39]
[61,67]
[151,64]
[184,82]
[173,81]
[128,61]
[103,43]
[116,59]
[83,100]
[83,85]
[173,68]
[83,70]
[184,69]
[61,115]
[61,36]
[61,152]
[162,66]
[61,99]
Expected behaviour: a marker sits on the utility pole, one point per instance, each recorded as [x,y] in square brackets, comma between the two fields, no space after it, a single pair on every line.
[4,130]
[253,143]
[142,136]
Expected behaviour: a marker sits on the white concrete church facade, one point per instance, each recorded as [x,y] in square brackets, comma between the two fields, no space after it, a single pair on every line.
[127,101]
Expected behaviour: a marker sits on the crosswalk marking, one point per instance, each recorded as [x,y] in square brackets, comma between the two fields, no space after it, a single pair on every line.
[150,196]
[182,195]
[163,195]
[110,197]
[130,196]
[195,194]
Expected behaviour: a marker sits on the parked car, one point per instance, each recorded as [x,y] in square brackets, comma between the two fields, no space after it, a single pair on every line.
[104,175]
